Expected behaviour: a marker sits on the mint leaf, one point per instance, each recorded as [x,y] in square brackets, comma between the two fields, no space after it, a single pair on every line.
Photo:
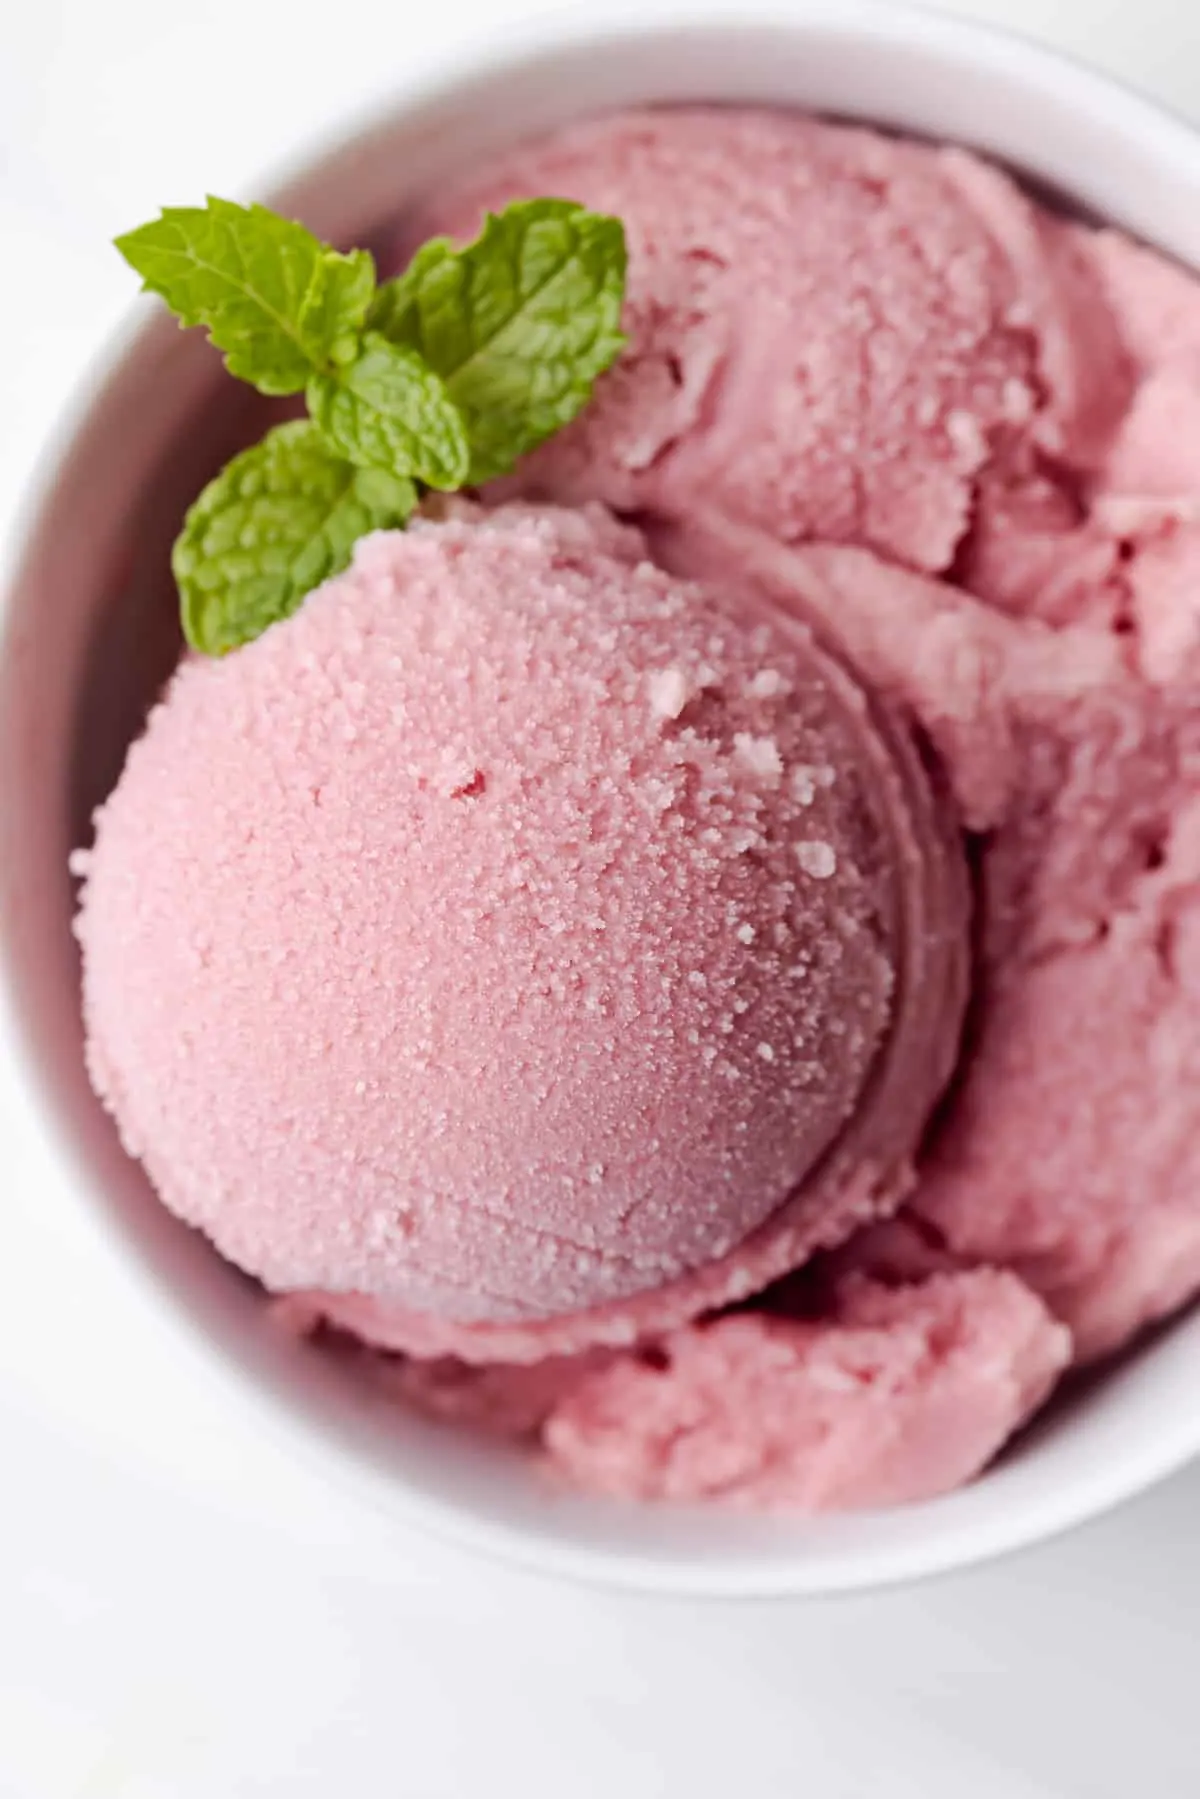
[443,377]
[518,324]
[276,522]
[389,410]
[394,310]
[276,300]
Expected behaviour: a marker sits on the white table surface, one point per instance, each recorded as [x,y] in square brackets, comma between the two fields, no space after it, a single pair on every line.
[184,1614]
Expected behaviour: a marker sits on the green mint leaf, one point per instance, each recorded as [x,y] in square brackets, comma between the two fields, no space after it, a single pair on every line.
[518,324]
[394,310]
[276,522]
[276,300]
[388,409]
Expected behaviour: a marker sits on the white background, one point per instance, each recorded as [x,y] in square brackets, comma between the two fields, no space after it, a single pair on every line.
[186,1615]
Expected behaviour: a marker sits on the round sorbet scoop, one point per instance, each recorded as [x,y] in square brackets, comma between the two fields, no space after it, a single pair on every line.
[520,946]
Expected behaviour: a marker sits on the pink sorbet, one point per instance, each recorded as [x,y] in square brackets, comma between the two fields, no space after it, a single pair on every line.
[536,847]
[832,333]
[512,935]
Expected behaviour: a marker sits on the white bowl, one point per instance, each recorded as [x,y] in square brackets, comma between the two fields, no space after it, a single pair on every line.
[69,701]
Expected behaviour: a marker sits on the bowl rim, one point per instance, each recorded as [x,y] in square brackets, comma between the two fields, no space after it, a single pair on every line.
[491,55]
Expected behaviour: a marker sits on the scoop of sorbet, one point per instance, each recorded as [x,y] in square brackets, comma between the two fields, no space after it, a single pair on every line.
[515,933]
[833,334]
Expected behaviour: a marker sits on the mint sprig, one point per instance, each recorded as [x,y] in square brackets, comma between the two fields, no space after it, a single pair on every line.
[444,377]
